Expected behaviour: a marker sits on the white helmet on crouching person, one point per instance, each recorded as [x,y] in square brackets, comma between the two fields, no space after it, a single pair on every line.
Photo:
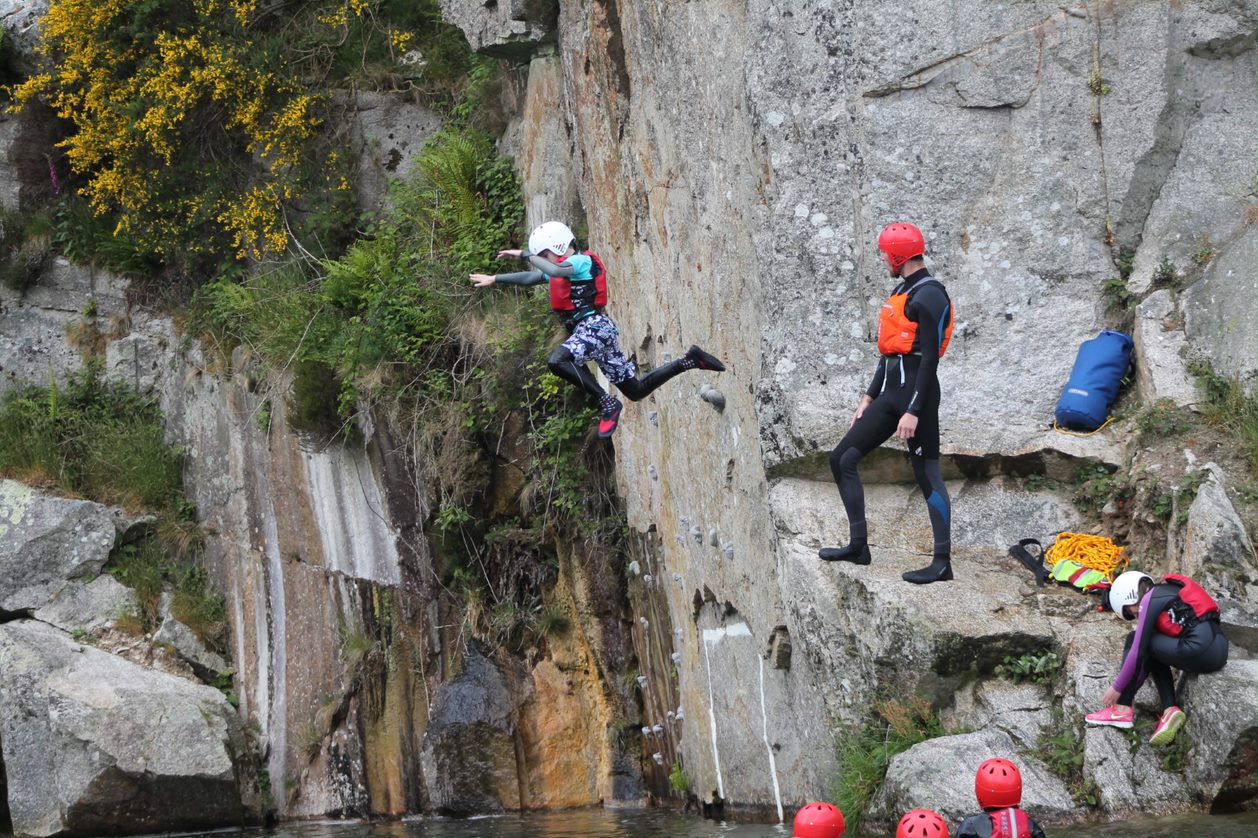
[1126,591]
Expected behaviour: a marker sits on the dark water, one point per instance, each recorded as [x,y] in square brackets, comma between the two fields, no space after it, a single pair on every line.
[607,823]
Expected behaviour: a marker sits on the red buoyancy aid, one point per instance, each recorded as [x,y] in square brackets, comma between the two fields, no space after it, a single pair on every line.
[561,288]
[1010,823]
[1195,604]
[896,332]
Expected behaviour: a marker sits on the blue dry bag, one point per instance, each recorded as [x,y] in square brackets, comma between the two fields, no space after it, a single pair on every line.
[1098,373]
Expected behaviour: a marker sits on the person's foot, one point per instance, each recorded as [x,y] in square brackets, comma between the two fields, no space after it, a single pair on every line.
[1172,720]
[703,360]
[856,553]
[609,416]
[1116,716]
[940,570]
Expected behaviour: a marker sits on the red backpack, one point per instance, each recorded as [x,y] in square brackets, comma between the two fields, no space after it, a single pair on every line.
[1194,605]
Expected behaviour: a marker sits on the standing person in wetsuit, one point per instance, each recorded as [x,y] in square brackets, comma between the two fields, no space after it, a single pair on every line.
[577,294]
[1177,625]
[903,400]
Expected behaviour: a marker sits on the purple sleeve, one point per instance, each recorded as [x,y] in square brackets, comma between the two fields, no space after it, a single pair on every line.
[1131,663]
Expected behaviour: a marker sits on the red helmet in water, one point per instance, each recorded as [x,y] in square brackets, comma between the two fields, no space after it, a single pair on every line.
[818,820]
[922,823]
[998,784]
[899,243]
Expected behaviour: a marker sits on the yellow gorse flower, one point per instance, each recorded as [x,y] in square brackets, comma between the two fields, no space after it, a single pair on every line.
[155,93]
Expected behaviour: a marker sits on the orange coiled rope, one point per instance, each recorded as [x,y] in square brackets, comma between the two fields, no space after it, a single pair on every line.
[1094,551]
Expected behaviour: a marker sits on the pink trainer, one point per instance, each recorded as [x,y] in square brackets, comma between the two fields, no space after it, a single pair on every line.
[1116,716]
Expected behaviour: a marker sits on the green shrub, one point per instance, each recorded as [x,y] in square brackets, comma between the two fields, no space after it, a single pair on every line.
[152,567]
[1095,486]
[1166,275]
[864,751]
[1038,669]
[90,438]
[1061,748]
[1165,419]
[84,236]
[1227,406]
[679,781]
[553,622]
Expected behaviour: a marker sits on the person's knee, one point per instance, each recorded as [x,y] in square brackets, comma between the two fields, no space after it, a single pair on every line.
[632,389]
[851,458]
[561,356]
[835,457]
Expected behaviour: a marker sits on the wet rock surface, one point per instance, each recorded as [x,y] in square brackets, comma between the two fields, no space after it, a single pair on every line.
[469,753]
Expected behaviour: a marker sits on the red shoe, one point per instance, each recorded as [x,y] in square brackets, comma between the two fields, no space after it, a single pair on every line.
[1119,717]
[609,418]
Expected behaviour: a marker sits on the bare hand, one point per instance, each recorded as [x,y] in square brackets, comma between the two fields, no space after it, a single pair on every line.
[508,254]
[860,409]
[482,280]
[907,427]
[1110,698]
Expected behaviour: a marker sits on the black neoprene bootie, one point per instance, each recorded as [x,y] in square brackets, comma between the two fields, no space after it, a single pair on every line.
[939,570]
[856,553]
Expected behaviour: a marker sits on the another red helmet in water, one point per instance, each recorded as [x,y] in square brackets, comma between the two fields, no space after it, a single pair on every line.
[899,243]
[818,820]
[922,823]
[998,784]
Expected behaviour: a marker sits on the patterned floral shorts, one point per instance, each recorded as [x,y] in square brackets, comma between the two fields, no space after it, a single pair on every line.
[597,339]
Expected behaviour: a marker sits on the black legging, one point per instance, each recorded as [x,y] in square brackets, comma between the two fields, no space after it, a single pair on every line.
[876,425]
[1202,648]
[564,365]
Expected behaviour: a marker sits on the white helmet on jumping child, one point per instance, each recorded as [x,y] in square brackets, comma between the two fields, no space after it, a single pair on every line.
[554,236]
[1126,591]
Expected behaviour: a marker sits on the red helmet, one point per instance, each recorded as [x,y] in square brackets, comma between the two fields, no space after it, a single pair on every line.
[818,820]
[922,823]
[998,784]
[899,243]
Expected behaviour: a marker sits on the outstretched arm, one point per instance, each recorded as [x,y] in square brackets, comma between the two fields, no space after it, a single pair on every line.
[521,278]
[548,267]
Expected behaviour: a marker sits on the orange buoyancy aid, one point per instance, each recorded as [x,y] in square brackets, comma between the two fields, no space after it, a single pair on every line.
[1194,605]
[897,333]
[567,296]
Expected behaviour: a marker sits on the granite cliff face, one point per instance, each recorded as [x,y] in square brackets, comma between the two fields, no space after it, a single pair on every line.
[736,161]
[733,163]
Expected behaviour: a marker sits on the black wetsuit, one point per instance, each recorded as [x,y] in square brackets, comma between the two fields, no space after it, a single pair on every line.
[981,826]
[1201,648]
[903,384]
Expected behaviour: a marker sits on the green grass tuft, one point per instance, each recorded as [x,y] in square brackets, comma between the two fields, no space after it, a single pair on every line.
[865,751]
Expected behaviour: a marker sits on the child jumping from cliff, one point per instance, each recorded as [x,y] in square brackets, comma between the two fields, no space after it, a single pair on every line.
[578,292]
